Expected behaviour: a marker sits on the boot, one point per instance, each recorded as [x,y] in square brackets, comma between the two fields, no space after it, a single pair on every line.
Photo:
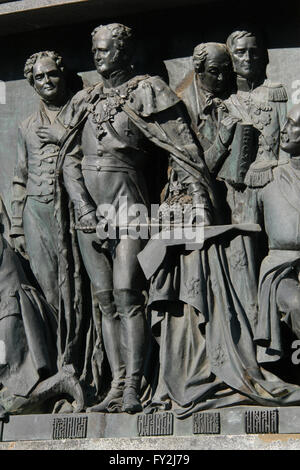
[111,339]
[131,401]
[112,403]
[130,305]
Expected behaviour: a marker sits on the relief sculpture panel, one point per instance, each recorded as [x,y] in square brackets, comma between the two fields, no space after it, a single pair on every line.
[150,258]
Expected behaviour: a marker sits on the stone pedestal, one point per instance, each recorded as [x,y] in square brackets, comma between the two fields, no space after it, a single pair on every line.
[230,428]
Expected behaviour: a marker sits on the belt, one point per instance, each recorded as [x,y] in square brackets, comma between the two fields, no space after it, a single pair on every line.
[96,163]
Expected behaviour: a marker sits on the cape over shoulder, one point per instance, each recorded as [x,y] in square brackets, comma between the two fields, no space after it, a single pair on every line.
[152,96]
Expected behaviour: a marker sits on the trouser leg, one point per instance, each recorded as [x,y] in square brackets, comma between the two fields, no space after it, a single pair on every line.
[41,243]
[112,344]
[129,283]
[99,268]
[111,335]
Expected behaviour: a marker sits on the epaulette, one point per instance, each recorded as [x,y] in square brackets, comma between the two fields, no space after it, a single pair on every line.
[276,91]
[260,174]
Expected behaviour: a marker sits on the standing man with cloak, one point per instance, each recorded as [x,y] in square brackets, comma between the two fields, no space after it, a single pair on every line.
[104,162]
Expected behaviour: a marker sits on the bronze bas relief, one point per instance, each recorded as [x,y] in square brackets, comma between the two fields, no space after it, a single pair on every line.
[120,323]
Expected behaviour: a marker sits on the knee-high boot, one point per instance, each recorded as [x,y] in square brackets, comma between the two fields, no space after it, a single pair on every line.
[130,307]
[112,343]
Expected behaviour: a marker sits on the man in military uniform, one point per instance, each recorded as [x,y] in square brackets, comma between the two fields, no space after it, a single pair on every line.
[104,162]
[260,104]
[277,205]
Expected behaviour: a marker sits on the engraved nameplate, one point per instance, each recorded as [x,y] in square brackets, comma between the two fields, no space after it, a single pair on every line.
[70,427]
[261,422]
[206,423]
[158,424]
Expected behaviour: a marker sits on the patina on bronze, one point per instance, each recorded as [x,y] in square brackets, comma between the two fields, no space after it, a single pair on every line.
[113,121]
[182,328]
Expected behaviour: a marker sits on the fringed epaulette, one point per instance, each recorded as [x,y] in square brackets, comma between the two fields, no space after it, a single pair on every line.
[260,174]
[276,92]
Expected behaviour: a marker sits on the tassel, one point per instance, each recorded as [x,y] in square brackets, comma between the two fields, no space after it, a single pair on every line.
[258,178]
[278,94]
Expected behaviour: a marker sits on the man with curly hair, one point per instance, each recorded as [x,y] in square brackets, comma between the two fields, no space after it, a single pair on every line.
[104,164]
[33,184]
[40,215]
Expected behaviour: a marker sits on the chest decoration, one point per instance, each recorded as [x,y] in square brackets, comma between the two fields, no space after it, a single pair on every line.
[109,104]
[260,112]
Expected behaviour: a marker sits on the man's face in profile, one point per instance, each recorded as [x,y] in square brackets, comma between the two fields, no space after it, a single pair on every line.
[217,71]
[290,134]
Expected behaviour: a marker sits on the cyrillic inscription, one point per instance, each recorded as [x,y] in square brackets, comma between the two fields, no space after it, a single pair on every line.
[206,423]
[70,427]
[160,424]
[261,421]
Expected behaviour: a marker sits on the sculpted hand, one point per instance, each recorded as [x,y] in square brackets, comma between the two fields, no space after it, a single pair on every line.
[226,129]
[88,223]
[20,246]
[50,134]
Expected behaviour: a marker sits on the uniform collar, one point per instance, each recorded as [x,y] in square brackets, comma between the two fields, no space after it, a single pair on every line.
[245,85]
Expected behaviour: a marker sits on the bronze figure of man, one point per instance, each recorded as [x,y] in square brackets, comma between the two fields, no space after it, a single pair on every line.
[40,214]
[104,164]
[259,105]
[33,220]
[277,206]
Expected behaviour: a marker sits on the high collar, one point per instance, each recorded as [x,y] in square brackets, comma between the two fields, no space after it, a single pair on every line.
[117,78]
[246,85]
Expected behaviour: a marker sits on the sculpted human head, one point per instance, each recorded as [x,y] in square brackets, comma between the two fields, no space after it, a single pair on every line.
[45,72]
[290,134]
[112,48]
[249,56]
[213,65]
